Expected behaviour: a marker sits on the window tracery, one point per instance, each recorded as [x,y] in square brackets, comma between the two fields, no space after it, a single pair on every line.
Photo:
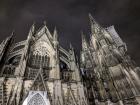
[37,99]
[41,49]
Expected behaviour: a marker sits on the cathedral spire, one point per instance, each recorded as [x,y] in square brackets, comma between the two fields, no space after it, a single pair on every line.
[92,20]
[11,37]
[71,50]
[13,33]
[73,64]
[45,26]
[55,41]
[71,47]
[44,23]
[20,70]
[97,33]
[84,42]
[4,45]
[95,27]
[55,35]
[32,30]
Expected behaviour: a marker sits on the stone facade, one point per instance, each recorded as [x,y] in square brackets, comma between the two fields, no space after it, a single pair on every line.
[39,64]
[110,76]
[38,71]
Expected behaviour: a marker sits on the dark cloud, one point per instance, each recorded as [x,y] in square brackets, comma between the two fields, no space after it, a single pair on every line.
[70,17]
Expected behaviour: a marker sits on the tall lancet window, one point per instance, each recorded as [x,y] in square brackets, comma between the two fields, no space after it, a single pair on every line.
[45,61]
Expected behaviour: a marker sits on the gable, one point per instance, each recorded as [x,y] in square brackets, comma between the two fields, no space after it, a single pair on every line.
[43,30]
[43,45]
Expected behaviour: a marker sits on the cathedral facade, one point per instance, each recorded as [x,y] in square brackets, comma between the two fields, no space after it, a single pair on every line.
[38,71]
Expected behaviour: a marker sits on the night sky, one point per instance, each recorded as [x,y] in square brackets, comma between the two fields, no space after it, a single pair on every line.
[70,17]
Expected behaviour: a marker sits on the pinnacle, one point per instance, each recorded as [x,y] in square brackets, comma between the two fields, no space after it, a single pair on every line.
[55,34]
[44,23]
[92,20]
[71,47]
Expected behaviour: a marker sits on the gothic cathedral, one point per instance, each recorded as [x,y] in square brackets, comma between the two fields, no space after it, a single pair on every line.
[39,71]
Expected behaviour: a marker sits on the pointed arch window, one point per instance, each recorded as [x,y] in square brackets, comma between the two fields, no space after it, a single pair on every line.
[37,99]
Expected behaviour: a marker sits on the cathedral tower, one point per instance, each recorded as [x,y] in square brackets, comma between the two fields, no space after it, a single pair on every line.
[116,81]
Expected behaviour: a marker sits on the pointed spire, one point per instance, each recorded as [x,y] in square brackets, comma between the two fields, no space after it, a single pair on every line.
[32,29]
[45,26]
[94,24]
[96,29]
[73,64]
[44,23]
[12,34]
[31,32]
[21,68]
[77,61]
[91,44]
[55,35]
[71,49]
[11,37]
[84,42]
[70,46]
[92,20]
[55,38]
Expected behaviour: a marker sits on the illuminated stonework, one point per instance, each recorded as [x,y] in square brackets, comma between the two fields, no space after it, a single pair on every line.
[37,98]
[38,71]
